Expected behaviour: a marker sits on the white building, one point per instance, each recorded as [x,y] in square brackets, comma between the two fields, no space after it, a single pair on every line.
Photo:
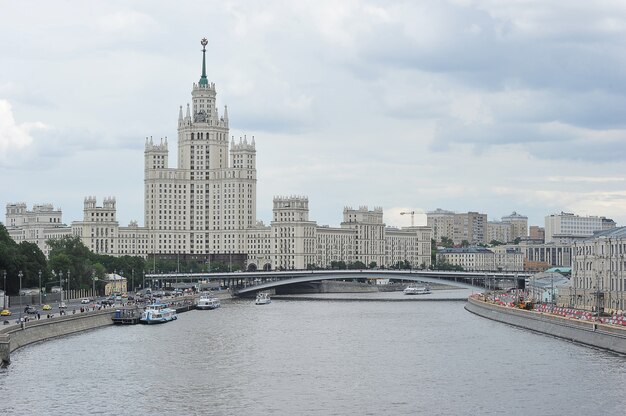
[569,225]
[37,226]
[482,259]
[599,272]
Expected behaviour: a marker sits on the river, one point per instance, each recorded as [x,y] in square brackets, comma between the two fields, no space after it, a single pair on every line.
[315,357]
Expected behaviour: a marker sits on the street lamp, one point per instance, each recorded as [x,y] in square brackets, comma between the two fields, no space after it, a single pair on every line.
[93,284]
[39,287]
[61,284]
[4,287]
[20,293]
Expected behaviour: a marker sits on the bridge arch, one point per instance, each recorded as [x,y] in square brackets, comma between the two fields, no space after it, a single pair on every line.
[463,280]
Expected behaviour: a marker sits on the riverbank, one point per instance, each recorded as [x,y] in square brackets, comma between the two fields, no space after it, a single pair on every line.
[16,336]
[594,334]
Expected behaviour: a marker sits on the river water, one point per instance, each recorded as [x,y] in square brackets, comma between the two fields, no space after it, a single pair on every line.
[315,357]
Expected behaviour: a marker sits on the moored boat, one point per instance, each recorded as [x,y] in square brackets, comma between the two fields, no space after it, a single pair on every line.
[157,313]
[208,302]
[416,290]
[262,299]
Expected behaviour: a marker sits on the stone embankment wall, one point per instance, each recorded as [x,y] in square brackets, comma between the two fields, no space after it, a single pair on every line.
[585,332]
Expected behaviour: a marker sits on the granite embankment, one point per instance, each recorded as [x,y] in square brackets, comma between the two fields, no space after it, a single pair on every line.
[607,337]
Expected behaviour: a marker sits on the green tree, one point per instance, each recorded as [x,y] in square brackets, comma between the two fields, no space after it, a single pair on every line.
[447,242]
[465,243]
[372,265]
[356,265]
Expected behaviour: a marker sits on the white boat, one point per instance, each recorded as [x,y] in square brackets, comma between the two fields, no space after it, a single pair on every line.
[208,302]
[157,313]
[262,299]
[416,290]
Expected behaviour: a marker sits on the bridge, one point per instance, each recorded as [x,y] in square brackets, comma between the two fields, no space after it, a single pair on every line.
[251,282]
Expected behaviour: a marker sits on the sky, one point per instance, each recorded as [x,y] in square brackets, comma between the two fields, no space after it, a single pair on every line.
[492,106]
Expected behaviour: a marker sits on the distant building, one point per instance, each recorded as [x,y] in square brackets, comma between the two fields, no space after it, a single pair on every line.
[482,259]
[537,233]
[115,283]
[442,223]
[498,231]
[519,225]
[470,227]
[568,225]
[37,226]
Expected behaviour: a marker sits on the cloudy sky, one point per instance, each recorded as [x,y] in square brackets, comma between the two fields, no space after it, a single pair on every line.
[467,105]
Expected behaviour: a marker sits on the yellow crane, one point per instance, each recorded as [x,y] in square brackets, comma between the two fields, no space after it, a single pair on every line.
[412,213]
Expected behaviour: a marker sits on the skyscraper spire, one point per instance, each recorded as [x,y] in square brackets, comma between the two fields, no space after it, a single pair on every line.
[203,80]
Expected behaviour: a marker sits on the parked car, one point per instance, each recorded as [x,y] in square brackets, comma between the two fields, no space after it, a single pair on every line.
[105,302]
[31,310]
[62,305]
[5,312]
[46,307]
[85,300]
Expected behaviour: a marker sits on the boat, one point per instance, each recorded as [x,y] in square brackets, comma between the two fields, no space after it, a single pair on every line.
[416,290]
[208,302]
[157,313]
[262,299]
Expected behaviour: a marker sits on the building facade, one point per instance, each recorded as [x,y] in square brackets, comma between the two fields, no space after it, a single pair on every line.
[598,279]
[37,226]
[569,225]
[482,259]
[519,225]
[442,223]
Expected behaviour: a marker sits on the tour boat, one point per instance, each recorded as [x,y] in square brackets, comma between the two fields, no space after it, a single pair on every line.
[208,302]
[262,299]
[157,313]
[416,290]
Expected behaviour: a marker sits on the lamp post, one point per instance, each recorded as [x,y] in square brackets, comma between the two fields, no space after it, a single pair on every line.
[4,287]
[68,284]
[39,287]
[61,284]
[93,284]
[20,293]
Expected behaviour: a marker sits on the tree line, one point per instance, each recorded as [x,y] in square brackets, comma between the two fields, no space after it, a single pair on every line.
[69,257]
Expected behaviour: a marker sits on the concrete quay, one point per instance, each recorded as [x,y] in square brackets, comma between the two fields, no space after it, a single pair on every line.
[16,336]
[594,334]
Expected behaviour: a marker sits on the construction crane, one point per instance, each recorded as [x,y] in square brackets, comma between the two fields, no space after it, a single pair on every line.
[412,213]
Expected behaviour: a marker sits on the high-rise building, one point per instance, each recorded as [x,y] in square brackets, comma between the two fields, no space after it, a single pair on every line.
[205,207]
[519,224]
[442,223]
[207,203]
[470,227]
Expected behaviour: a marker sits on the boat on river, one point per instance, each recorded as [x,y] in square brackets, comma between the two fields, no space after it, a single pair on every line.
[157,313]
[208,302]
[262,299]
[416,290]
